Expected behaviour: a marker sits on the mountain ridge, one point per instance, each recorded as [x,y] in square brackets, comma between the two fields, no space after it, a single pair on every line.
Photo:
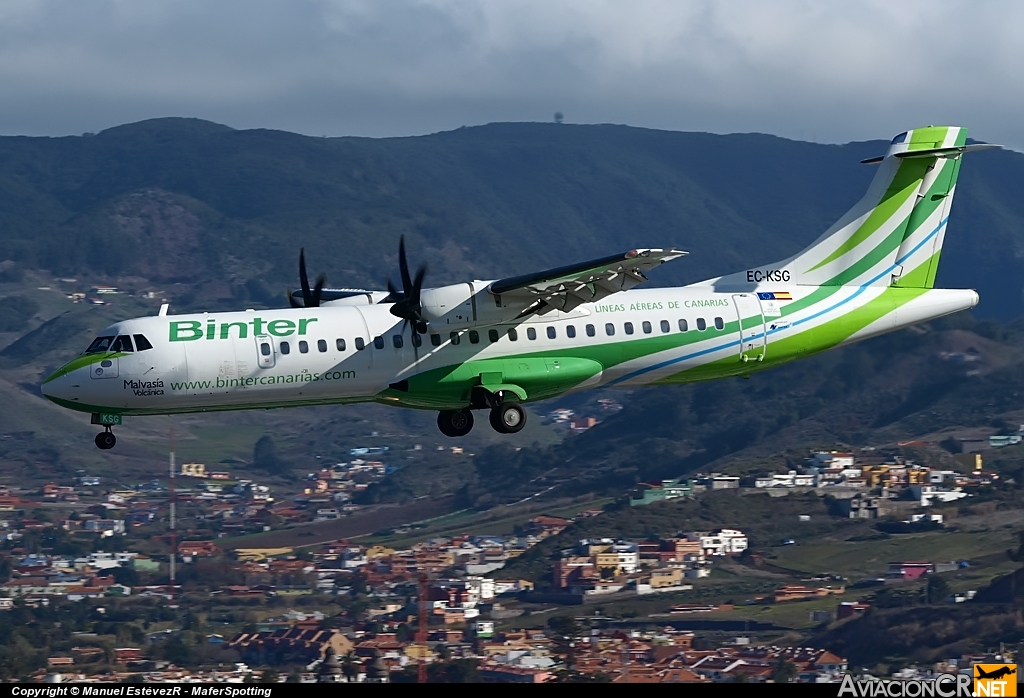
[483,201]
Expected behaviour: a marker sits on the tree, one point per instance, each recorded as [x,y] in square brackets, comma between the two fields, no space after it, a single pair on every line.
[126,575]
[176,651]
[349,668]
[937,590]
[269,676]
[456,671]
[566,633]
[783,671]
[558,117]
[265,457]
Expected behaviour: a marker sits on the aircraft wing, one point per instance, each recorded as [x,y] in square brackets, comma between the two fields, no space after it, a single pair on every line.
[564,288]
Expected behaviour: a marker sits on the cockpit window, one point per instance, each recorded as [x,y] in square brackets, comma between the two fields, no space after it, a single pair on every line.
[100,344]
[141,343]
[122,343]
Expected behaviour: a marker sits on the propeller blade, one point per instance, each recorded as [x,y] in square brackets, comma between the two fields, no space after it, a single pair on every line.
[304,280]
[403,267]
[417,286]
[417,283]
[318,290]
[406,302]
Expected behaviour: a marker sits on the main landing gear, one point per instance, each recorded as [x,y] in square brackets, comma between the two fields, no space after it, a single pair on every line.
[508,418]
[105,439]
[455,422]
[505,418]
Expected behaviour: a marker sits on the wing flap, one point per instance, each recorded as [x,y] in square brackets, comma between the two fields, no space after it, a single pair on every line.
[565,288]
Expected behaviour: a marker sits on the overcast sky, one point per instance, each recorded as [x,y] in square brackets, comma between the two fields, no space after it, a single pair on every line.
[812,70]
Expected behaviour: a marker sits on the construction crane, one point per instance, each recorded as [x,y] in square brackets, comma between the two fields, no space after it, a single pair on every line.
[421,631]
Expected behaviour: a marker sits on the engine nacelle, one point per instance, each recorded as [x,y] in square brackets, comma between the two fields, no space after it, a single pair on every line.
[461,306]
[352,297]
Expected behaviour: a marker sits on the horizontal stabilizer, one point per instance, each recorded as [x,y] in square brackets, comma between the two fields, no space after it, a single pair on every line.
[934,152]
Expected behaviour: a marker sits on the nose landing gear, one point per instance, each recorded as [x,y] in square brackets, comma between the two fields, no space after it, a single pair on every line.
[105,440]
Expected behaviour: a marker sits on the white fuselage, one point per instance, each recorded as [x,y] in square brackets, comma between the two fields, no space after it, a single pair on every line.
[276,358]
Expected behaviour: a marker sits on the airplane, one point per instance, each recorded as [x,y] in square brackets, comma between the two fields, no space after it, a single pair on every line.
[995,673]
[497,345]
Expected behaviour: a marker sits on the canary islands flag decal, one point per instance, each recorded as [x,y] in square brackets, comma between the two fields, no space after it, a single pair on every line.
[995,680]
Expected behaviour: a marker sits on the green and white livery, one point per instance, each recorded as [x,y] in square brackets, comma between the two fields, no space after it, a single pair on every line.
[493,345]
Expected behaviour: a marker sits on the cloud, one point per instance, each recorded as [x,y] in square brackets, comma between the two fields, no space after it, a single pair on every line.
[820,71]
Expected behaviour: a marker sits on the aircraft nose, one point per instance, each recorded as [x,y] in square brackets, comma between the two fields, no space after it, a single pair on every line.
[55,387]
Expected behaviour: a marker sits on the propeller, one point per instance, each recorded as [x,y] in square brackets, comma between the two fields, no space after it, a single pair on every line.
[406,302]
[310,299]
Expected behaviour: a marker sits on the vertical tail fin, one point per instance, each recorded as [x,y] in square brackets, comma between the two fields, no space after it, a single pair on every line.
[892,236]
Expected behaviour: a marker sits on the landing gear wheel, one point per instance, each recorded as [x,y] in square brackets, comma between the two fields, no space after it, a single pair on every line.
[455,423]
[105,440]
[508,418]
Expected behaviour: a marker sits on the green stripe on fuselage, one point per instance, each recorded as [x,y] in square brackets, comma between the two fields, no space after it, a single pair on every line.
[905,185]
[81,362]
[810,341]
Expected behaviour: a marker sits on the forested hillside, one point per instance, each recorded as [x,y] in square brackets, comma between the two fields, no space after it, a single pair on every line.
[215,216]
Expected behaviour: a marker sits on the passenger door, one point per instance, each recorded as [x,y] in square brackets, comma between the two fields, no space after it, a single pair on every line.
[752,334]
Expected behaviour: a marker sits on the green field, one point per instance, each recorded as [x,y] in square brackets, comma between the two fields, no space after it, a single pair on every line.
[855,560]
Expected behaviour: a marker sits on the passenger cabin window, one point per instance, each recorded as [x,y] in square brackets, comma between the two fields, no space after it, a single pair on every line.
[265,348]
[665,327]
[321,345]
[454,336]
[570,331]
[397,341]
[474,337]
[340,344]
[304,346]
[628,327]
[682,326]
[531,333]
[122,343]
[141,343]
[719,323]
[492,335]
[99,344]
[701,325]
[378,342]
[647,327]
[360,344]
[609,329]
[435,339]
[551,333]
[591,331]
[513,335]
[285,348]
[417,340]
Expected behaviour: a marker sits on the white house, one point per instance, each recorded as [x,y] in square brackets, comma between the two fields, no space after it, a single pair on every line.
[927,494]
[789,479]
[727,541]
[629,556]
